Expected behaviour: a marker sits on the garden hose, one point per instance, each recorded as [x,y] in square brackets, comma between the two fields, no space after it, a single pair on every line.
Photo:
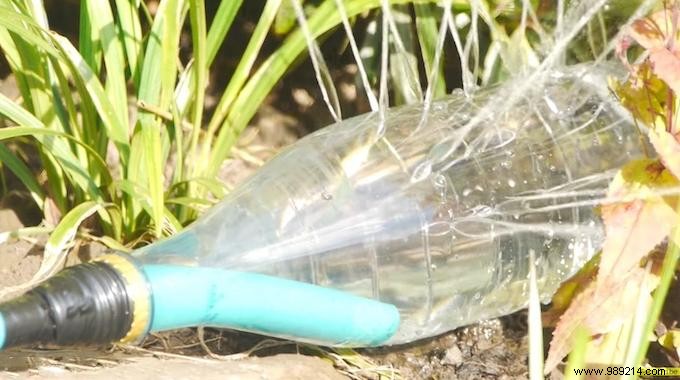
[115,299]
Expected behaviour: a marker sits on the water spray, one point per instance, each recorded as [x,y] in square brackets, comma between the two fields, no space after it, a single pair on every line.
[359,235]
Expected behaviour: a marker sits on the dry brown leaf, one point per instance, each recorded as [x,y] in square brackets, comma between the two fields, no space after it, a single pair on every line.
[638,219]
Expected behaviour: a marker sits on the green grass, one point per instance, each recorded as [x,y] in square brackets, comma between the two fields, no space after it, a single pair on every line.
[123,94]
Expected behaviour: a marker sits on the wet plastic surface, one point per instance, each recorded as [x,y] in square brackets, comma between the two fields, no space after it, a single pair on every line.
[434,212]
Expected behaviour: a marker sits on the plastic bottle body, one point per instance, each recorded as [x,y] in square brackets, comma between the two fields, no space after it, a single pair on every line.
[434,215]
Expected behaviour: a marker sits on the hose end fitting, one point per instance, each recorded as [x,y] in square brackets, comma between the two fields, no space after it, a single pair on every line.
[92,303]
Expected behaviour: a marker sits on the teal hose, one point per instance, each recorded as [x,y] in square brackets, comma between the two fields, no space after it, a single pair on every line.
[3,331]
[193,296]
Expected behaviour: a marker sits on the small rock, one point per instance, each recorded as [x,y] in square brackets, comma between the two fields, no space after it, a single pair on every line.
[453,356]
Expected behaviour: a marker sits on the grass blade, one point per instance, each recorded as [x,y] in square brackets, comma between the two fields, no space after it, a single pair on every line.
[111,116]
[130,30]
[23,173]
[104,30]
[403,61]
[242,71]
[426,26]
[218,30]
[668,268]
[37,133]
[25,232]
[577,357]
[67,160]
[88,41]
[25,27]
[200,69]
[535,324]
[156,89]
[220,26]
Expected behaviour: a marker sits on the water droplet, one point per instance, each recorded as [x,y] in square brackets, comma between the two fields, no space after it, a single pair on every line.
[511,183]
[467,192]
[439,181]
[422,171]
[458,92]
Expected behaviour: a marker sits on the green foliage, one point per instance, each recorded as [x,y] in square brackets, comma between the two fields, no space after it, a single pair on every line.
[106,117]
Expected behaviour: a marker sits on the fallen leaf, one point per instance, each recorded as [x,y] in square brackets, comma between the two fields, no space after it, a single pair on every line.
[600,310]
[612,347]
[637,216]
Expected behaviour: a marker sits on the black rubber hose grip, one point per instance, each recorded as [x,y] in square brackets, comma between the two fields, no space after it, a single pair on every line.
[83,304]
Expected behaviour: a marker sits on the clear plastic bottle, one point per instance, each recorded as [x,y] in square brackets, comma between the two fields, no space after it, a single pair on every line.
[434,215]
